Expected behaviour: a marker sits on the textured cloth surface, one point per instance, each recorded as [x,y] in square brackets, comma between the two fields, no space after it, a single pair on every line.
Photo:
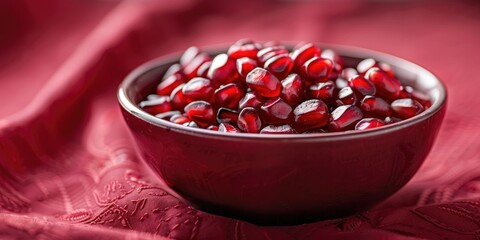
[68,169]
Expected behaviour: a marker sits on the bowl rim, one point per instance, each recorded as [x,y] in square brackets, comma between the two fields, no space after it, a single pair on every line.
[350,51]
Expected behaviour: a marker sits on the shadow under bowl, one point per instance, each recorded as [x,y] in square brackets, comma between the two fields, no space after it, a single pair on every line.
[284,179]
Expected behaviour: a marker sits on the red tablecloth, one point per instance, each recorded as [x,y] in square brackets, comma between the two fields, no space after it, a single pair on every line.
[67,165]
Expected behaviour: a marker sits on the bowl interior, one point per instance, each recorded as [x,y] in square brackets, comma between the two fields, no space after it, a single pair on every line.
[144,80]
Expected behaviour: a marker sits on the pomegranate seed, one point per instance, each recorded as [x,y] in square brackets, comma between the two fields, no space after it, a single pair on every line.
[188,56]
[213,128]
[341,83]
[225,115]
[200,112]
[418,96]
[177,99]
[387,68]
[376,107]
[276,111]
[317,69]
[369,123]
[292,89]
[153,96]
[266,53]
[361,85]
[172,70]
[250,100]
[280,65]
[282,129]
[303,53]
[191,124]
[228,96]
[192,68]
[198,89]
[223,70]
[344,118]
[245,65]
[248,50]
[311,114]
[203,69]
[346,96]
[168,84]
[323,91]
[263,83]
[249,120]
[406,108]
[348,73]
[167,115]
[386,86]
[179,119]
[366,64]
[332,55]
[225,127]
[156,106]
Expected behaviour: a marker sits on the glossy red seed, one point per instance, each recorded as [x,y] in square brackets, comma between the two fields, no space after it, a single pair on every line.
[366,64]
[200,112]
[168,115]
[385,85]
[369,123]
[179,119]
[420,97]
[229,95]
[198,89]
[344,118]
[362,86]
[263,83]
[213,128]
[311,114]
[225,115]
[348,73]
[167,85]
[177,99]
[281,129]
[249,120]
[280,65]
[153,96]
[346,96]
[323,91]
[188,56]
[174,69]
[276,111]
[245,65]
[332,55]
[249,50]
[191,70]
[203,69]
[406,108]
[292,89]
[156,106]
[390,120]
[341,83]
[225,127]
[303,53]
[317,69]
[375,107]
[223,70]
[250,100]
[387,68]
[268,52]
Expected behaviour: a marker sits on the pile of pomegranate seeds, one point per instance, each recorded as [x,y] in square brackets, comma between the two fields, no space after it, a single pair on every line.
[267,89]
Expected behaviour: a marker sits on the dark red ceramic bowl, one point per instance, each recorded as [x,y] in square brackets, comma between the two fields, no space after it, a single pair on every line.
[284,179]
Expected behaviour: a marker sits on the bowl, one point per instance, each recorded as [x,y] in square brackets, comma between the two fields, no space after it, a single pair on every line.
[284,179]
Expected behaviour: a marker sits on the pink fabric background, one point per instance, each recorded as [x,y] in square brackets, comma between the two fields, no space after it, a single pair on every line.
[67,165]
